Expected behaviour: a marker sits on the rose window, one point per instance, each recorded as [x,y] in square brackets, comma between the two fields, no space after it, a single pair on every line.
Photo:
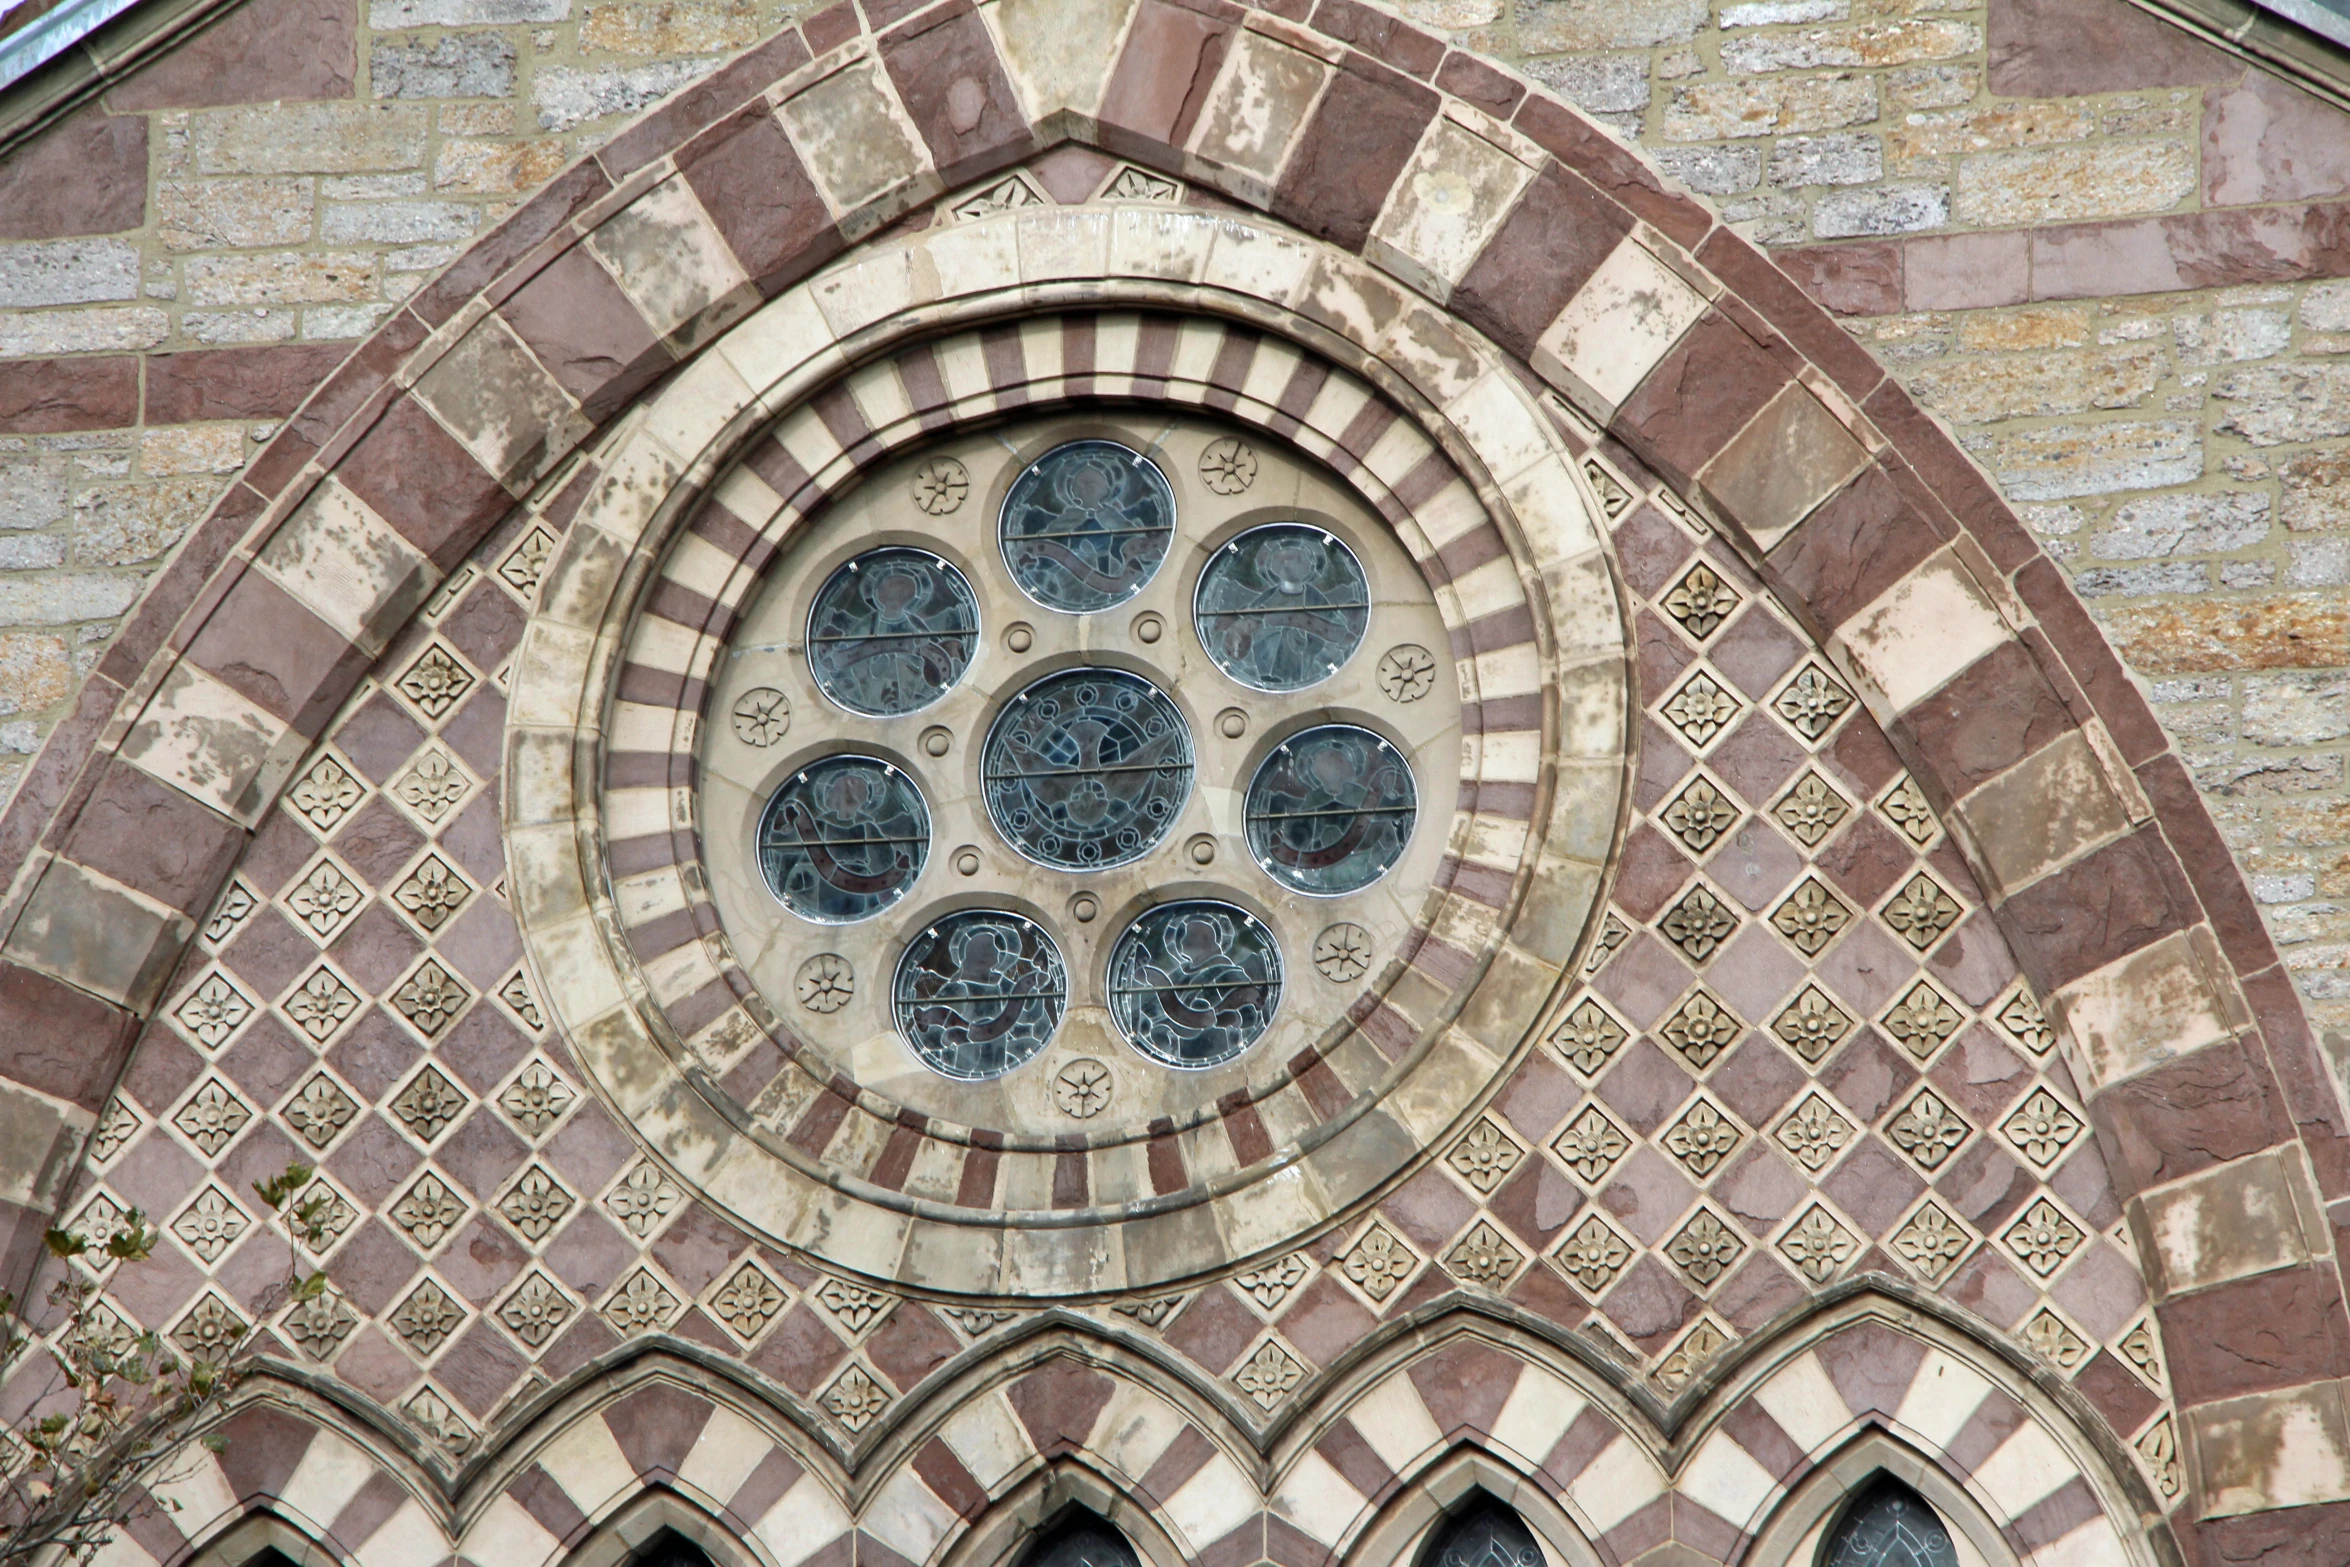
[1066,770]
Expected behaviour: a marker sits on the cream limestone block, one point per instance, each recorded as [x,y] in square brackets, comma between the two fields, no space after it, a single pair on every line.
[1435,356]
[1943,1396]
[991,1443]
[1508,432]
[802,1522]
[1536,1414]
[1288,1116]
[327,1476]
[1210,1505]
[588,1464]
[1921,632]
[2138,1012]
[1552,516]
[1805,1403]
[1465,924]
[1585,582]
[577,589]
[1121,1174]
[1505,756]
[1196,345]
[1207,1153]
[694,562]
[123,1551]
[209,742]
[1117,343]
[1317,1499]
[1159,242]
[962,365]
[1134,1429]
[1723,1478]
[1063,242]
[409,1538]
[1351,299]
[1616,328]
[507,1534]
[677,974]
[1592,716]
[857,143]
[1269,1211]
[671,261]
[729,1449]
[1040,349]
[2093,1544]
[1258,263]
[2249,1216]
[1400,449]
[937,1172]
[1453,512]
[637,474]
[2046,811]
[2272,1450]
[908,1517]
[787,339]
[638,726]
[1260,99]
[339,560]
[859,1141]
[1270,370]
[633,813]
[1395,1422]
[1063,1261]
[570,958]
[2023,1469]
[538,776]
[664,644]
[1448,203]
[614,1046]
[195,1494]
[1336,403]
[855,1236]
[1023,1181]
[1490,589]
[1616,1484]
[696,409]
[550,673]
[37,1127]
[868,290]
[964,259]
[957,1257]
[744,1181]
[1059,51]
[492,393]
[1427,1103]
[1496,842]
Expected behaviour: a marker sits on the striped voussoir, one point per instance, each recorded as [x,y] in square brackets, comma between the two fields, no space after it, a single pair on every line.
[924,1477]
[2113,886]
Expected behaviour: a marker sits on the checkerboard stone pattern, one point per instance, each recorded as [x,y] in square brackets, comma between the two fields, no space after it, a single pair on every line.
[1869,716]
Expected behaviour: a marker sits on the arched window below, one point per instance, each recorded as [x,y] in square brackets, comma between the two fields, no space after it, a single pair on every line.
[1483,1534]
[1081,1540]
[1889,1525]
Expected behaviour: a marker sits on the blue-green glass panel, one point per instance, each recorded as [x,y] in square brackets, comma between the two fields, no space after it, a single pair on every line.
[1086,525]
[1331,809]
[1281,607]
[1194,984]
[891,631]
[979,992]
[1087,768]
[1889,1526]
[843,838]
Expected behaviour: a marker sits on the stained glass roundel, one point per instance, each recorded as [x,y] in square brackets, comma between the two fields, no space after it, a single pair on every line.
[1087,768]
[1086,526]
[979,992]
[1194,984]
[891,631]
[1330,809]
[843,838]
[1890,1526]
[1281,607]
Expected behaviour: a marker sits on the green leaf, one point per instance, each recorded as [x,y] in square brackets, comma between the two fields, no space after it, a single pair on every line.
[65,1243]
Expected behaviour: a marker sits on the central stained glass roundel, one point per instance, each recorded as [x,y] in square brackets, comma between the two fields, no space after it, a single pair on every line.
[1330,810]
[1086,525]
[1281,607]
[1194,984]
[891,631]
[1087,769]
[979,992]
[843,838]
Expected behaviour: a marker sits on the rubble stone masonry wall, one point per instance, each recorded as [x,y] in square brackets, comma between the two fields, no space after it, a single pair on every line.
[2104,252]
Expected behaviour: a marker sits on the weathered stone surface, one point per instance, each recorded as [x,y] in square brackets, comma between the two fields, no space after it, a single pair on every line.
[2313,490]
[39,334]
[1870,44]
[323,138]
[566,97]
[1980,391]
[2273,631]
[229,214]
[62,598]
[459,65]
[391,15]
[2068,460]
[281,279]
[2039,185]
[671,27]
[67,272]
[1554,26]
[87,174]
[2063,48]
[2264,140]
[121,525]
[270,50]
[46,396]
[481,168]
[1710,111]
[397,222]
[35,672]
[1847,214]
[2276,404]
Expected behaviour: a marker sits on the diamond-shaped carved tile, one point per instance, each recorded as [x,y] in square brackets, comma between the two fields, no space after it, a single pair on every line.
[322,1216]
[211,1224]
[642,1304]
[432,893]
[1705,1249]
[2044,1238]
[428,1211]
[854,1399]
[435,682]
[2158,1448]
[1814,1133]
[1928,1130]
[1485,1155]
[1592,1144]
[1702,1139]
[429,1104]
[427,1318]
[324,794]
[1270,1285]
[1699,815]
[2025,1023]
[323,899]
[1811,810]
[1701,1028]
[1701,709]
[2139,1348]
[515,992]
[1484,1258]
[1812,702]
[1268,1375]
[213,1116]
[536,1099]
[1932,1242]
[320,1324]
[853,1306]
[1923,1020]
[1811,1024]
[430,998]
[536,1204]
[1593,1255]
[432,787]
[1817,1245]
[1379,1262]
[1701,601]
[213,1011]
[1905,807]
[644,1197]
[526,563]
[210,1331]
[1613,933]
[2054,1341]
[1587,1036]
[235,906]
[1698,924]
[747,1301]
[319,1110]
[536,1309]
[116,1127]
[1921,912]
[320,1004]
[101,1219]
[430,1413]
[2041,1127]
[1811,917]
[1698,1346]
